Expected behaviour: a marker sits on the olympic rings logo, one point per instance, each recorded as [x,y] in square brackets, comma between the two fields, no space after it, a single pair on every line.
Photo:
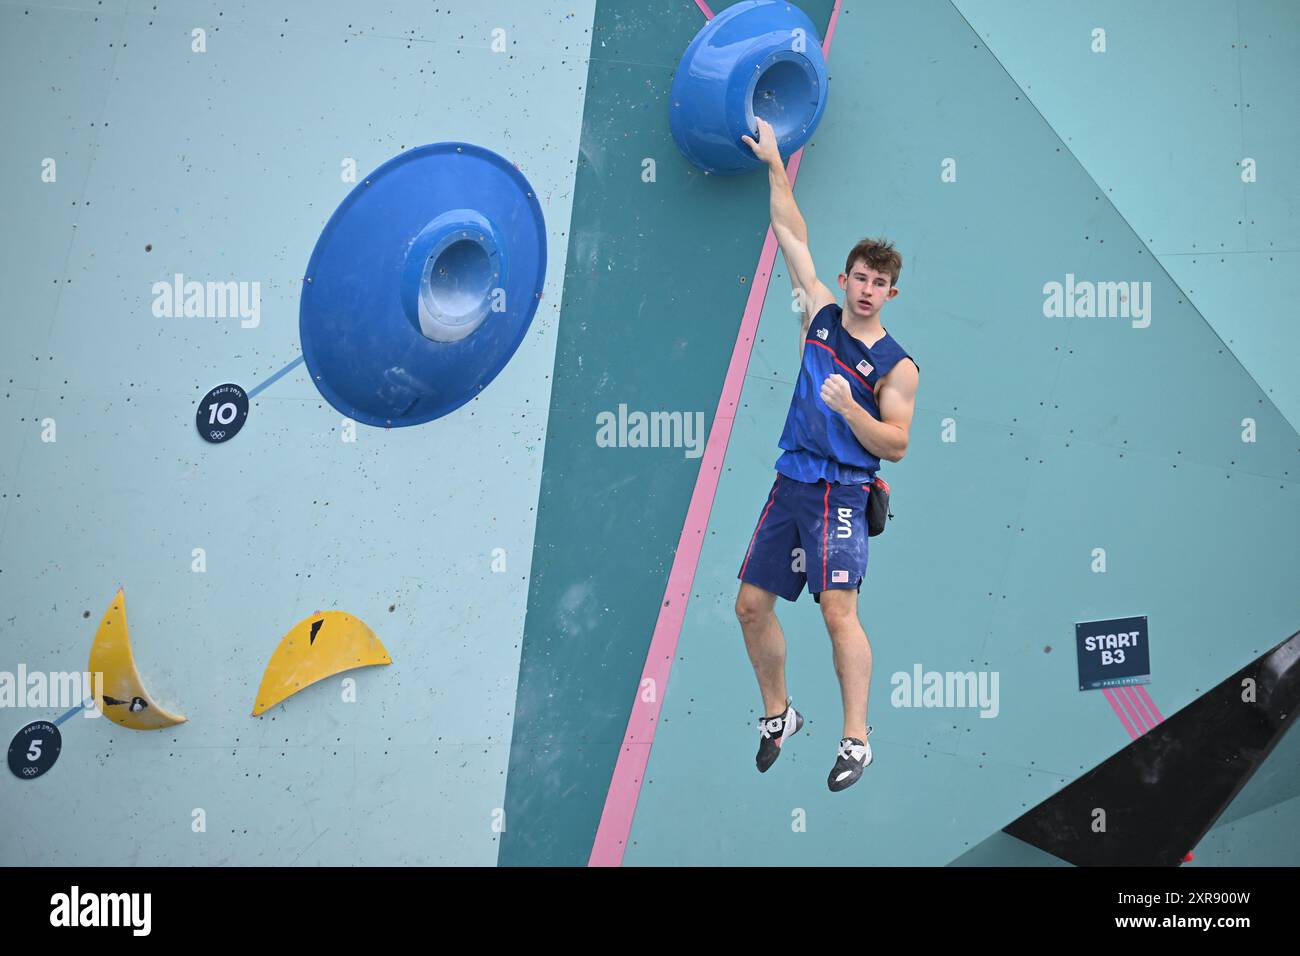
[217,436]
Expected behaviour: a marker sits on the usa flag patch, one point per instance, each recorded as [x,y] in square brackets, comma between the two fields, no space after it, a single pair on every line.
[864,368]
[839,577]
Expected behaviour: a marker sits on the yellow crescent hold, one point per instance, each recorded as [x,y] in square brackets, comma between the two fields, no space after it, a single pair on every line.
[317,647]
[122,697]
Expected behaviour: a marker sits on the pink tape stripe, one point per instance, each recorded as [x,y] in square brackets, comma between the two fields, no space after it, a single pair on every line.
[1134,701]
[629,770]
[1131,690]
[1114,703]
[704,7]
[1138,721]
[830,29]
[1141,691]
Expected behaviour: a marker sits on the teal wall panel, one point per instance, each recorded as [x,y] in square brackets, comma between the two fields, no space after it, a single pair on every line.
[1162,120]
[656,281]
[1071,434]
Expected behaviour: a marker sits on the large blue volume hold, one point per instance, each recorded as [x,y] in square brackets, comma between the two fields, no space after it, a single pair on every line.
[422,284]
[756,58]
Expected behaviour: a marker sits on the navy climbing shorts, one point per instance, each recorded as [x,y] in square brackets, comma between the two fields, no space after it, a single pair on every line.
[813,533]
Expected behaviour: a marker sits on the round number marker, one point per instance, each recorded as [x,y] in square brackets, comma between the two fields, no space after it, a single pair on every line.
[222,413]
[34,750]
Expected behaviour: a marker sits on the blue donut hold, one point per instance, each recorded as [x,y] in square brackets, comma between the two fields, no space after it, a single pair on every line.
[422,284]
[755,58]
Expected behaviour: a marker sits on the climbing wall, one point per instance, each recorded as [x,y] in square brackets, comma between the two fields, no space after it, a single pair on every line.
[524,564]
[1037,440]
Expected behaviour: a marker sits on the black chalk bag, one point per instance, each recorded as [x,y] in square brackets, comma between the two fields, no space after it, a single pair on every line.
[877,506]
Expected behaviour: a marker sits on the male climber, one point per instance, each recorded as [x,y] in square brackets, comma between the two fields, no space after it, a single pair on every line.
[852,408]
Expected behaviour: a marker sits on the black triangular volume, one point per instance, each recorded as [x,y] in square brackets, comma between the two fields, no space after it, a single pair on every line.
[1164,791]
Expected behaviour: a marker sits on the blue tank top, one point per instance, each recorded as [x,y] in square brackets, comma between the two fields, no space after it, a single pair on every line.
[818,442]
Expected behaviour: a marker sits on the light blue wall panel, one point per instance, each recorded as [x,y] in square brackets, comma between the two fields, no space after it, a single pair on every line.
[227,164]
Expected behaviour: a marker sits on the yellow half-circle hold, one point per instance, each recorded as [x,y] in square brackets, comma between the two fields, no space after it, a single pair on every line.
[122,697]
[317,647]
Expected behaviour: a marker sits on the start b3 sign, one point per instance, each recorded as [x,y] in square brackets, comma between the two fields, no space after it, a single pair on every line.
[1113,652]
